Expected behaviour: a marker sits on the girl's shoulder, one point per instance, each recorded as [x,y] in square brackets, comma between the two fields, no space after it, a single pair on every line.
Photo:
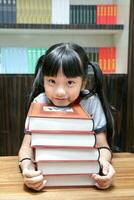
[41,98]
[91,102]
[93,98]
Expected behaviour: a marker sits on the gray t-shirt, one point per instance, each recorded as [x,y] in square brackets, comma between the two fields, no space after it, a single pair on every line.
[91,105]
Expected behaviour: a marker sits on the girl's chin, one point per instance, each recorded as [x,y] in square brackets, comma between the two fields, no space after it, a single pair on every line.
[60,103]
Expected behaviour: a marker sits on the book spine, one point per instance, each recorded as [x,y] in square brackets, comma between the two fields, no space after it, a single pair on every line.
[98,14]
[5,14]
[115,14]
[1,68]
[13,11]
[113,56]
[1,12]
[101,58]
[108,14]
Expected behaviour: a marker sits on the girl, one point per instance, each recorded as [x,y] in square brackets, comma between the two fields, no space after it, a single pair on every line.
[61,79]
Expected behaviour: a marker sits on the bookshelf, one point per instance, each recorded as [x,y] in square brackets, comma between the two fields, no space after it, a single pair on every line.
[16,87]
[87,35]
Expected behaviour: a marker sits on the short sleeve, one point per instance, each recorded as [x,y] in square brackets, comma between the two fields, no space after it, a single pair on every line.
[93,106]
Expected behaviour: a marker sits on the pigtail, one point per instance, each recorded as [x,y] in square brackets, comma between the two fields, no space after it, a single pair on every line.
[39,64]
[37,86]
[98,88]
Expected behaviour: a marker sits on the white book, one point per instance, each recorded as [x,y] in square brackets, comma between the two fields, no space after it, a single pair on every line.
[60,124]
[71,167]
[63,139]
[60,12]
[69,180]
[66,154]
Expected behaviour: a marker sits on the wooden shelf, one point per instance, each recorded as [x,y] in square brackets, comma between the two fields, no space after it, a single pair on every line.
[61,28]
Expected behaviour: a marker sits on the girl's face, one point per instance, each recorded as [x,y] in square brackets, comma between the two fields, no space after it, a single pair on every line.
[62,91]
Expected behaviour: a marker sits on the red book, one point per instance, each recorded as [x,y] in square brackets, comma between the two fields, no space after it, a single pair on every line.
[101,58]
[104,59]
[109,60]
[42,117]
[108,14]
[98,14]
[101,14]
[104,14]
[115,14]
[113,59]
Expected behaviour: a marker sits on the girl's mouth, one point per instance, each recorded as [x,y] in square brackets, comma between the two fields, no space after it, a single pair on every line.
[61,99]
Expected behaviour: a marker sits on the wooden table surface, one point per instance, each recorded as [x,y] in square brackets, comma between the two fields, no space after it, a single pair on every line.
[12,188]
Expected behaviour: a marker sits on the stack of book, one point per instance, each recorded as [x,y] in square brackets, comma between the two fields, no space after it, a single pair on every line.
[64,142]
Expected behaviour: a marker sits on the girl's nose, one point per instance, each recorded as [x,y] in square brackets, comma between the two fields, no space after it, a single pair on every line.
[60,91]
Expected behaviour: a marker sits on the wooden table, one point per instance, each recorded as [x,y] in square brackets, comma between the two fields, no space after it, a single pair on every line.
[11,183]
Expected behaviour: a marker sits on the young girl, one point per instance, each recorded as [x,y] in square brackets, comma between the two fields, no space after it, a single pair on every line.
[61,79]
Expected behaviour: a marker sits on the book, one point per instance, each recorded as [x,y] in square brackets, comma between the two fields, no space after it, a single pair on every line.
[70,167]
[1,12]
[69,180]
[60,12]
[52,118]
[63,140]
[65,154]
[64,144]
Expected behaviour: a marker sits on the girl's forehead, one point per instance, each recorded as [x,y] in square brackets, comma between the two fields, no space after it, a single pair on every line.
[60,72]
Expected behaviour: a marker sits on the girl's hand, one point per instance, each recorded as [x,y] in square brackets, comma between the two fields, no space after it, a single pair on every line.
[33,179]
[105,180]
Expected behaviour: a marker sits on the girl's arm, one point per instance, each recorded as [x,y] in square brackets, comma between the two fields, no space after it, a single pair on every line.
[26,152]
[32,178]
[105,179]
[105,154]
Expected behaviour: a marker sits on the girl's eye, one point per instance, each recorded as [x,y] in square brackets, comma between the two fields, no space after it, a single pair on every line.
[51,81]
[71,83]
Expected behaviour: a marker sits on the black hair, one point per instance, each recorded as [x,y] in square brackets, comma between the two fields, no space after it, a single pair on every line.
[97,88]
[38,65]
[70,57]
[74,62]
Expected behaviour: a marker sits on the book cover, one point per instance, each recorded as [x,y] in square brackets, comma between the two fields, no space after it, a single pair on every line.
[74,111]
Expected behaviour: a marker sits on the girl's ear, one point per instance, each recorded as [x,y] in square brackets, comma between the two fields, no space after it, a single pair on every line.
[83,84]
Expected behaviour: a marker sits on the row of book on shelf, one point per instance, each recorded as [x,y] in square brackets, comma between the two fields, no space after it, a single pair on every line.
[64,144]
[56,12]
[23,60]
[19,60]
